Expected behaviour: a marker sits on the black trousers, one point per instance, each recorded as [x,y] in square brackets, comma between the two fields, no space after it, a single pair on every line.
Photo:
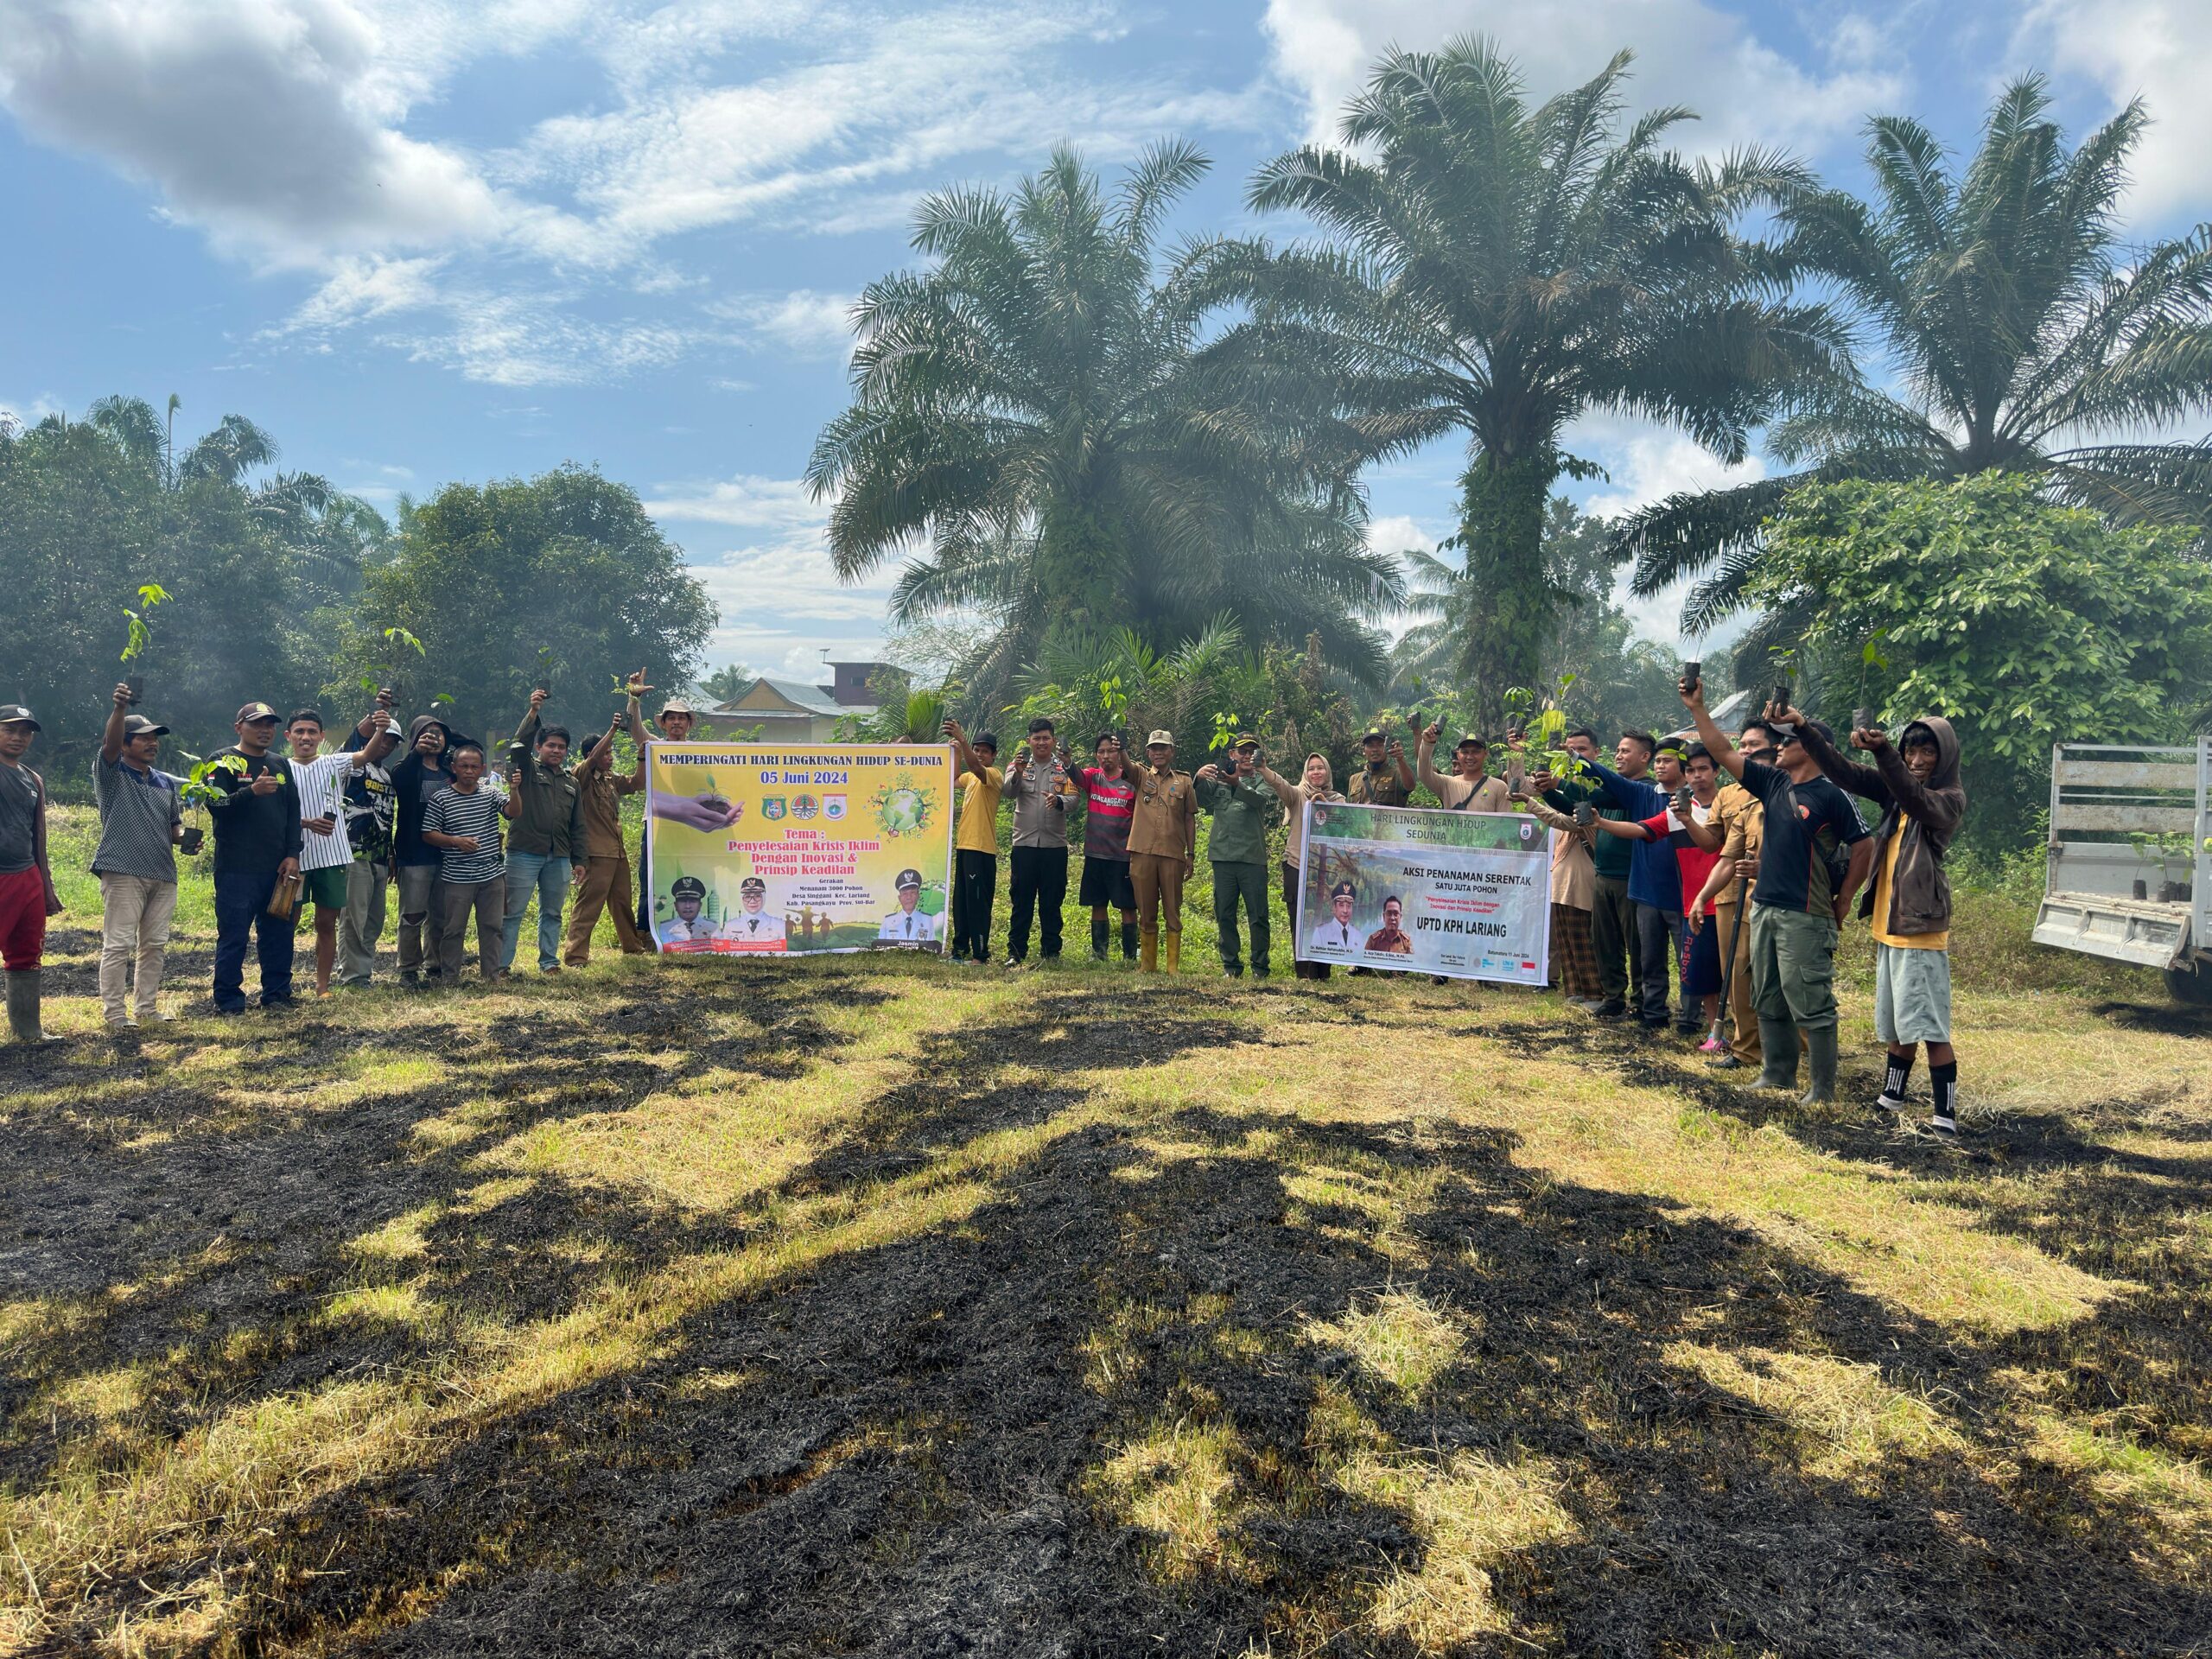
[975,885]
[1040,884]
[1659,933]
[1612,936]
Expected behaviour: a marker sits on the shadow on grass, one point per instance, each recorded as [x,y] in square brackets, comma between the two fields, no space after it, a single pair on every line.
[911,1449]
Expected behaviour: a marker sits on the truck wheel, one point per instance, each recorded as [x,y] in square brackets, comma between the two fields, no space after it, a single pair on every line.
[2192,984]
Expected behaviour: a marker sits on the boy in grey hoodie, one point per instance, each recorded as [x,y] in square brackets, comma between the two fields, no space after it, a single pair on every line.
[1908,904]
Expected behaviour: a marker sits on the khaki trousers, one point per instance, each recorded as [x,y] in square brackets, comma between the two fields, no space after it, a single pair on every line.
[1743,1008]
[1157,879]
[601,884]
[135,915]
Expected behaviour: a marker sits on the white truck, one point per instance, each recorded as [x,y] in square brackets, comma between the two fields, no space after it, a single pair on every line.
[2130,859]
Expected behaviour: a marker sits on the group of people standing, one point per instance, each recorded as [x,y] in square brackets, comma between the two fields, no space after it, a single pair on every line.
[419,819]
[1741,886]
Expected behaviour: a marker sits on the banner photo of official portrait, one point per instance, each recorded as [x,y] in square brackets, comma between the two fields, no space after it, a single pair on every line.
[1464,894]
[767,851]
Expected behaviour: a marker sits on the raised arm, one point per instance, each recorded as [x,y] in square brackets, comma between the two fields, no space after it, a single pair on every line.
[1286,791]
[1423,751]
[1724,752]
[1397,752]
[1863,781]
[1941,810]
[111,733]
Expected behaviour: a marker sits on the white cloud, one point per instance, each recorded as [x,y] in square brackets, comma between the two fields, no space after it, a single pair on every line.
[2154,48]
[1396,533]
[805,323]
[1647,463]
[1688,52]
[746,502]
[269,123]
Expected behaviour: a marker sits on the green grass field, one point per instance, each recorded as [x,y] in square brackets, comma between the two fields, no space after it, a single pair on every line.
[867,1305]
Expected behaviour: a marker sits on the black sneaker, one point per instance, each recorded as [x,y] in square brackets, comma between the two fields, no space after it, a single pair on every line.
[1612,1008]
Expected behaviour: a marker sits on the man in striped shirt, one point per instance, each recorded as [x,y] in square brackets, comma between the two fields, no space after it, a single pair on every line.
[463,821]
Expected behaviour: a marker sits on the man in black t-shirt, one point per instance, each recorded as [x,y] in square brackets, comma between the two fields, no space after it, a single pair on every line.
[1800,901]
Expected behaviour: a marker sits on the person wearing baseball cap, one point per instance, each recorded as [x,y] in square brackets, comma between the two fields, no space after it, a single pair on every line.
[1163,850]
[1244,809]
[690,928]
[1466,789]
[142,822]
[754,927]
[257,842]
[27,894]
[1384,778]
[908,925]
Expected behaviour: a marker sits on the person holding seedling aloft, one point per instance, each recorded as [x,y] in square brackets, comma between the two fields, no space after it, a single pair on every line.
[1806,883]
[1908,905]
[27,894]
[258,842]
[975,843]
[603,883]
[1725,898]
[325,856]
[1243,809]
[142,822]
[548,835]
[463,821]
[1689,829]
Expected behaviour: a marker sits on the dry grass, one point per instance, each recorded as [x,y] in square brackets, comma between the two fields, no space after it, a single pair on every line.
[924,1307]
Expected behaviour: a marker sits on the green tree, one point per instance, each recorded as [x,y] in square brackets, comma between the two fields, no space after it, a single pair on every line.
[1499,270]
[2025,622]
[92,510]
[729,682]
[2014,325]
[1033,407]
[560,581]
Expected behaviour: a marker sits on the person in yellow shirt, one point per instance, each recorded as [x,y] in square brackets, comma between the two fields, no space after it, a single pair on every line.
[1908,904]
[975,842]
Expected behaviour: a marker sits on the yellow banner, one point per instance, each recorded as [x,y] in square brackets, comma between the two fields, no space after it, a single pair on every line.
[758,849]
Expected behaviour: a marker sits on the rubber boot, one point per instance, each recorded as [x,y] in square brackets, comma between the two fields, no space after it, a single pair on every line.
[1820,1051]
[22,1007]
[1149,957]
[1778,1039]
[1129,941]
[1174,953]
[1098,938]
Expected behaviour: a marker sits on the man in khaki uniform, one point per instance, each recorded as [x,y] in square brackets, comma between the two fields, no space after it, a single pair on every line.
[1743,823]
[1163,846]
[603,874]
[1465,789]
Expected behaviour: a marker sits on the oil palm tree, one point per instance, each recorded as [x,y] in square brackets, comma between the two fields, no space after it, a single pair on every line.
[1031,416]
[1499,268]
[2021,335]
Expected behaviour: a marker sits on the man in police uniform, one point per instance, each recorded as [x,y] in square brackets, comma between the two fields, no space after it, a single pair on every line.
[688,930]
[1335,938]
[753,928]
[907,926]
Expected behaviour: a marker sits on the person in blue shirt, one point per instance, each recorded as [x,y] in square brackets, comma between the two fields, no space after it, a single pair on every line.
[1655,883]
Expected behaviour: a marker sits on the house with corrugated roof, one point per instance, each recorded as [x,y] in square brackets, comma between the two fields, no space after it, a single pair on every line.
[790,711]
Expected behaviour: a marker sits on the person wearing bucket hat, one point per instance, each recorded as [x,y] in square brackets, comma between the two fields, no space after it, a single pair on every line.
[142,821]
[257,842]
[672,725]
[690,928]
[909,925]
[27,894]
[1163,850]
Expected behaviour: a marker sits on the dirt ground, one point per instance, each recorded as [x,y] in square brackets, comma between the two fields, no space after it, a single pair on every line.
[883,1308]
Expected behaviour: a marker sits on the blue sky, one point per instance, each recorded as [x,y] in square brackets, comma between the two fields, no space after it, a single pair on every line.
[422,241]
